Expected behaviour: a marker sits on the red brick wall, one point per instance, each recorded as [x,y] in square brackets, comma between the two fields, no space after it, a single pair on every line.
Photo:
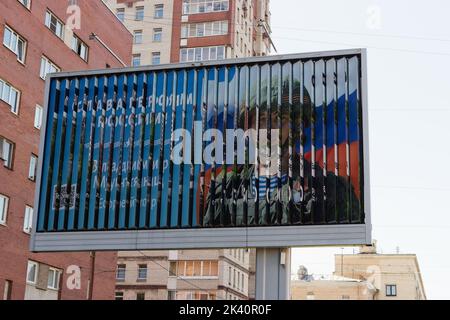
[14,243]
[199,17]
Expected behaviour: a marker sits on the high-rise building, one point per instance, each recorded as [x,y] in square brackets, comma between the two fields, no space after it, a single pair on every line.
[42,36]
[183,275]
[171,31]
[367,275]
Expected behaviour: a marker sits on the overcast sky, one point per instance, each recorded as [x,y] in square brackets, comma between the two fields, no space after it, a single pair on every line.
[408,45]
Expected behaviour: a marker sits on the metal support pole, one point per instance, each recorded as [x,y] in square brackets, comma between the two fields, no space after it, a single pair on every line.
[273,273]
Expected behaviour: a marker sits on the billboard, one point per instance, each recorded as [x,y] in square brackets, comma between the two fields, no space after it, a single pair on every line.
[259,152]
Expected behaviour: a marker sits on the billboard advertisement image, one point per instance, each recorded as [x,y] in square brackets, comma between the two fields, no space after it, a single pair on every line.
[258,152]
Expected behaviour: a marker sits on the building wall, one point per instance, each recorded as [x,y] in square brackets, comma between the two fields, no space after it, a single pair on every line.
[147,26]
[19,128]
[161,283]
[401,270]
[329,290]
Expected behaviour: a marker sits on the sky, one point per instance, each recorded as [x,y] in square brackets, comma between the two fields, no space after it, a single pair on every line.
[408,44]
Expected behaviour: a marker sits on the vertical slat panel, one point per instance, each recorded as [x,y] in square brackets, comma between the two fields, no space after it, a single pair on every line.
[178,123]
[65,188]
[264,145]
[331,141]
[297,133]
[116,171]
[354,139]
[320,154]
[189,111]
[204,109]
[147,150]
[136,167]
[80,105]
[308,147]
[167,135]
[232,111]
[55,187]
[158,142]
[285,157]
[342,185]
[124,204]
[221,177]
[107,146]
[94,191]
[253,119]
[86,165]
[45,190]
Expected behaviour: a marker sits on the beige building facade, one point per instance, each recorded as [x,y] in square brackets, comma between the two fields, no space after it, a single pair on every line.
[365,276]
[183,275]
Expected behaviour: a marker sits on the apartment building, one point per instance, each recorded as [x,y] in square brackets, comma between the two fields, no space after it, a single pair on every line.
[367,275]
[172,31]
[38,37]
[183,275]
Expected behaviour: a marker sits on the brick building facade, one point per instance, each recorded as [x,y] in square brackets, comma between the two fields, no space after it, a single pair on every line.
[38,37]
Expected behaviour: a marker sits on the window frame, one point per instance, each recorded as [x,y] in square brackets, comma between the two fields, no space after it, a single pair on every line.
[34,158]
[118,294]
[139,13]
[136,56]
[77,45]
[120,12]
[7,163]
[156,55]
[188,4]
[389,292]
[142,267]
[159,32]
[48,19]
[17,38]
[28,6]
[28,219]
[14,108]
[141,36]
[38,107]
[36,271]
[121,267]
[159,7]
[48,63]
[55,279]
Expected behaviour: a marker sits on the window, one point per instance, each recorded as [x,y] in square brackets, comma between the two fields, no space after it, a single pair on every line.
[6,152]
[140,296]
[202,54]
[204,29]
[171,295]
[10,95]
[32,271]
[345,297]
[119,295]
[33,167]
[197,268]
[204,6]
[120,13]
[137,36]
[142,272]
[47,67]
[28,219]
[172,269]
[229,276]
[4,200]
[80,48]
[136,60]
[159,11]
[157,34]
[7,290]
[26,3]
[54,24]
[139,14]
[121,270]
[391,290]
[38,117]
[156,57]
[53,278]
[15,43]
[242,282]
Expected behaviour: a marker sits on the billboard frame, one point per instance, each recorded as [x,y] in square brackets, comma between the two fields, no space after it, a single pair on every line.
[211,238]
